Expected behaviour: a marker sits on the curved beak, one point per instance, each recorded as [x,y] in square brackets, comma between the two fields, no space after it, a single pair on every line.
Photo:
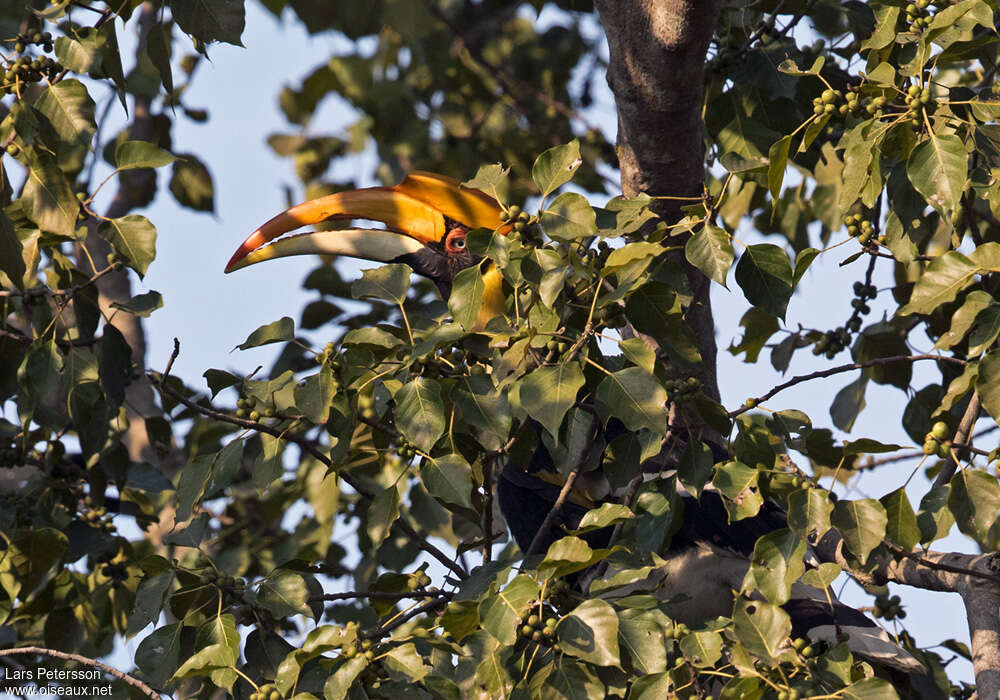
[414,213]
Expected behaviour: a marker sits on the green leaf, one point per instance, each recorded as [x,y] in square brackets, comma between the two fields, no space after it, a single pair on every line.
[158,655]
[134,238]
[467,296]
[218,648]
[738,483]
[484,409]
[70,109]
[870,689]
[934,516]
[975,502]
[449,479]
[114,364]
[218,380]
[313,395]
[568,555]
[848,403]
[191,183]
[988,383]
[491,179]
[822,576]
[809,512]
[53,206]
[548,392]
[502,612]
[339,684]
[388,283]
[762,628]
[158,42]
[11,253]
[590,633]
[555,167]
[703,648]
[641,635]
[777,563]
[141,154]
[149,601]
[282,330]
[634,396]
[778,160]
[765,276]
[78,57]
[382,513]
[569,680]
[210,20]
[711,251]
[938,168]
[803,260]
[605,515]
[284,593]
[141,305]
[696,466]
[940,282]
[862,524]
[568,217]
[901,526]
[420,412]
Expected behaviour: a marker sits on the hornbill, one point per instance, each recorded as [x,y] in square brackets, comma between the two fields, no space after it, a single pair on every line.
[427,217]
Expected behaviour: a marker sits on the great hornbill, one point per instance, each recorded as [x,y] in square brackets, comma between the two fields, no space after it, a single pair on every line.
[427,217]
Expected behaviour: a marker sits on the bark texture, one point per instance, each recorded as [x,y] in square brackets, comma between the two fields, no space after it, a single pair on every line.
[657,58]
[140,401]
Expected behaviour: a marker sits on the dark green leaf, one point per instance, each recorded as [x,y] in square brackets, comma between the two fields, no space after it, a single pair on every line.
[134,238]
[548,392]
[210,20]
[590,633]
[388,283]
[555,167]
[282,330]
[140,154]
[191,183]
[765,276]
[711,251]
[420,412]
[861,523]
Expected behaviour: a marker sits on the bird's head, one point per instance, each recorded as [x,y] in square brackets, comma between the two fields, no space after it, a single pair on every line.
[427,217]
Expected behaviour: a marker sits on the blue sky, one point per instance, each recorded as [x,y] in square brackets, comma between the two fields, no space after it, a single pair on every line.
[211,312]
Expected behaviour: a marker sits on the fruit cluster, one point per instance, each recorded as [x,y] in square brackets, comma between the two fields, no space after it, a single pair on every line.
[936,441]
[889,607]
[266,692]
[859,227]
[27,68]
[541,631]
[521,223]
[98,518]
[246,407]
[917,99]
[678,389]
[917,16]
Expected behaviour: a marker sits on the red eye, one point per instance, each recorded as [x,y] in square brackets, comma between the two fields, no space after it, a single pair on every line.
[455,243]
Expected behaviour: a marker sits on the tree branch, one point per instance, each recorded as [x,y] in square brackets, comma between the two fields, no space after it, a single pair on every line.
[753,403]
[313,450]
[120,675]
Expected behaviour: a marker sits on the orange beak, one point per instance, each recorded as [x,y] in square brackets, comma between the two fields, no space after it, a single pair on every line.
[414,213]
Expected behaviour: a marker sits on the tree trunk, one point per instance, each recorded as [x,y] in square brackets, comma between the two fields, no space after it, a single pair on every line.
[657,50]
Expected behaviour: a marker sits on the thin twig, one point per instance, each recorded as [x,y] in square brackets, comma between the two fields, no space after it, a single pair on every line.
[311,448]
[120,675]
[68,292]
[753,403]
[379,595]
[553,513]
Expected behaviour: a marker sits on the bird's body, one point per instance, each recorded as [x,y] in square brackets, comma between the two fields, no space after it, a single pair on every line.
[707,557]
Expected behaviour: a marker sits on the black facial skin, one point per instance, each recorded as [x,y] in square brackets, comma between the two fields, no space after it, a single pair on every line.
[437,264]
